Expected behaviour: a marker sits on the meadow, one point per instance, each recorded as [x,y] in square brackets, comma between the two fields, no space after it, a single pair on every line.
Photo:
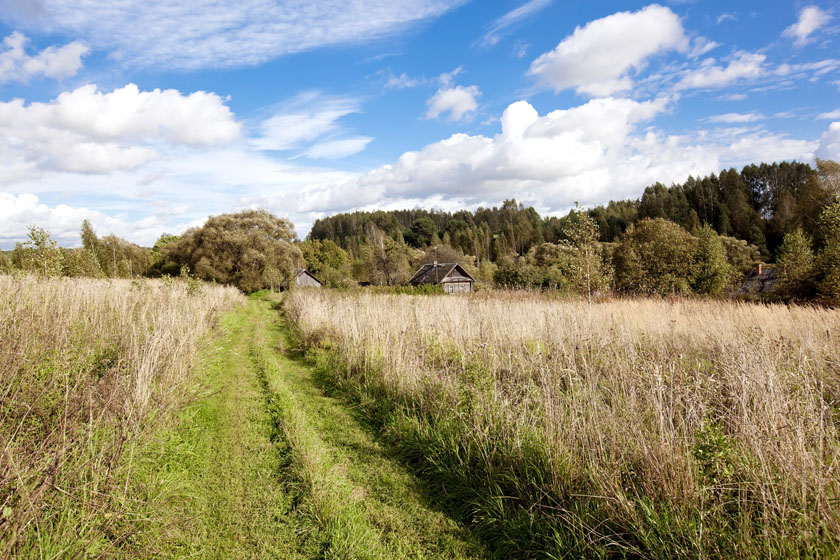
[88,370]
[642,428]
[166,418]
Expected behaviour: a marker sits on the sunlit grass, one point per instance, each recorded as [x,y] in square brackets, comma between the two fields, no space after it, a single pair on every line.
[87,367]
[650,428]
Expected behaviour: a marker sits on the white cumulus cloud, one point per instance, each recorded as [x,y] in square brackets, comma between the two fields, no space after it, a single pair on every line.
[601,150]
[88,131]
[830,116]
[811,18]
[597,58]
[51,62]
[830,143]
[18,212]
[212,33]
[459,101]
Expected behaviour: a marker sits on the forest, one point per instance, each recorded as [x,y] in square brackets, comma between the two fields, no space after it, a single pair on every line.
[760,205]
[703,236]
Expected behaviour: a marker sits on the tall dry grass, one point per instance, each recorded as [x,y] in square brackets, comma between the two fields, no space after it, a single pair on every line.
[646,428]
[86,368]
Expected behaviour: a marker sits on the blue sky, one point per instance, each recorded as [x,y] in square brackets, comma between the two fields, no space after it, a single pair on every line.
[148,116]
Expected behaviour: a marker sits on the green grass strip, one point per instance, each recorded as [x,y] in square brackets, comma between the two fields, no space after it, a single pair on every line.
[367,503]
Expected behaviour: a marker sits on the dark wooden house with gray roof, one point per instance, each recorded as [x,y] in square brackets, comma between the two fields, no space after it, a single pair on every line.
[451,276]
[763,280]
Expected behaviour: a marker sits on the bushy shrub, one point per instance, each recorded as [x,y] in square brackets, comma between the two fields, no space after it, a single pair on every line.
[712,272]
[797,264]
[239,249]
[655,257]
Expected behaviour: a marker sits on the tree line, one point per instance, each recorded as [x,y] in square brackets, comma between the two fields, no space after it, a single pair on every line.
[252,249]
[760,205]
[702,236]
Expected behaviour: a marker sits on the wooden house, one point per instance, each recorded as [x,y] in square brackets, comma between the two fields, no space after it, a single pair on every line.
[304,279]
[451,276]
[763,280]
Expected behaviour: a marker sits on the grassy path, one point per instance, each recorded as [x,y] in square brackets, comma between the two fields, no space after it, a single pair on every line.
[268,466]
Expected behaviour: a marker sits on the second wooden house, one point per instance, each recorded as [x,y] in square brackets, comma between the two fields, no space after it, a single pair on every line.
[451,276]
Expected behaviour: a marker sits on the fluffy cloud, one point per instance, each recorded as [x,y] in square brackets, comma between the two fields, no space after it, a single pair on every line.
[18,212]
[742,66]
[830,116]
[811,18]
[52,62]
[830,143]
[210,33]
[88,131]
[596,58]
[458,101]
[591,153]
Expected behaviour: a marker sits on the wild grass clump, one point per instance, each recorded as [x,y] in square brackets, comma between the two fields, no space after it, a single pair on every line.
[635,428]
[87,367]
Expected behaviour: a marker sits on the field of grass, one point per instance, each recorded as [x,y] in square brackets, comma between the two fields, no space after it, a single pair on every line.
[163,419]
[265,465]
[630,428]
[88,369]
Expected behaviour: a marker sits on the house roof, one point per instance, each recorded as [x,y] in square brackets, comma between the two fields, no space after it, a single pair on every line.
[763,283]
[301,271]
[444,272]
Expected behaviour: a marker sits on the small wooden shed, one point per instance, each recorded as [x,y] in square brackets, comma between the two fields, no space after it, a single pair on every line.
[305,279]
[451,276]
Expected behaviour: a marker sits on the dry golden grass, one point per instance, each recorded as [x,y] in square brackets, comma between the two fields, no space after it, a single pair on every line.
[656,428]
[86,368]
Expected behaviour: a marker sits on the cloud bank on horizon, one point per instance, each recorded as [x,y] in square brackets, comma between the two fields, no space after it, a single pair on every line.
[148,117]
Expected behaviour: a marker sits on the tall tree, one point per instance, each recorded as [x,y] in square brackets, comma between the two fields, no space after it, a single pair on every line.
[797,263]
[587,270]
[39,253]
[828,172]
[712,271]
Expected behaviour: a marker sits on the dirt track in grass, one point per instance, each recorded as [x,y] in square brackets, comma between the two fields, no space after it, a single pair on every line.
[267,465]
